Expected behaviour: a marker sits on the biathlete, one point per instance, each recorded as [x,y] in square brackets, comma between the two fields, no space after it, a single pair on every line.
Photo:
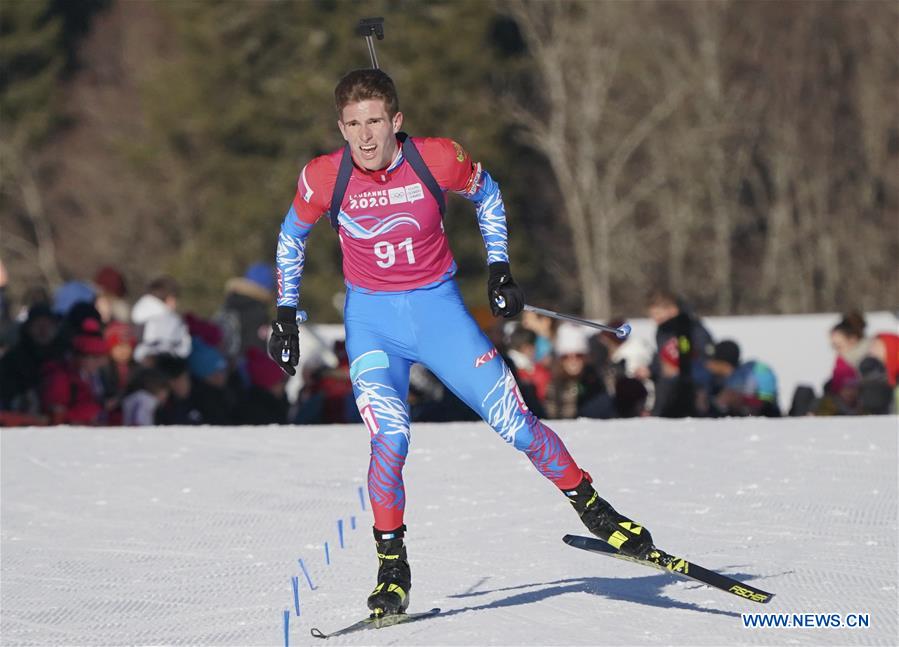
[384,194]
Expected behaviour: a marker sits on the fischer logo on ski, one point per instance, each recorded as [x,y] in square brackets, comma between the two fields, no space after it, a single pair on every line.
[663,561]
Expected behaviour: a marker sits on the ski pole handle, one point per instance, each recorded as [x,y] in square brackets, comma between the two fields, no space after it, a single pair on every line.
[621,332]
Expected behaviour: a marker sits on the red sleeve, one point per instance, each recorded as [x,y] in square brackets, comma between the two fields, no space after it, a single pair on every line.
[450,164]
[314,188]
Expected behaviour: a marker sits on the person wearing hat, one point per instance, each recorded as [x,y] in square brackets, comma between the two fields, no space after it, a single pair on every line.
[748,389]
[576,389]
[678,370]
[111,293]
[246,312]
[72,392]
[21,367]
[70,294]
[209,376]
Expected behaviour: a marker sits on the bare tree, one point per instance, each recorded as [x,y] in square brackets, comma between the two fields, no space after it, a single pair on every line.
[34,242]
[589,140]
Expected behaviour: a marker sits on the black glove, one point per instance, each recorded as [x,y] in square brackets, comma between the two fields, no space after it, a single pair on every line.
[284,344]
[505,295]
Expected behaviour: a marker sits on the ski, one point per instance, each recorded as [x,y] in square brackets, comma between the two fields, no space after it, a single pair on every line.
[377,622]
[663,561]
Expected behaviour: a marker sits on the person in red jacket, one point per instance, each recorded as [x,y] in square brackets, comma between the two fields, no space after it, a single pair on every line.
[885,347]
[72,391]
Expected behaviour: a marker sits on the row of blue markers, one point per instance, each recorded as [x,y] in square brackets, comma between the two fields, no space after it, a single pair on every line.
[295,580]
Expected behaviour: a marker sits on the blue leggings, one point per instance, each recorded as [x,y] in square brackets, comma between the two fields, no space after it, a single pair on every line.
[385,334]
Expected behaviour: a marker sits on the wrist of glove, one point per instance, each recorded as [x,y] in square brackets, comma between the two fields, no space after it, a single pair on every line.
[505,296]
[284,342]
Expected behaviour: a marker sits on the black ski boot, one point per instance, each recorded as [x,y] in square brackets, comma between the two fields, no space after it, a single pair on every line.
[606,523]
[391,595]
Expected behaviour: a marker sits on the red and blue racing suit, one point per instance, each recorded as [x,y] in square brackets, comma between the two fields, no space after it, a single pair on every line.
[403,306]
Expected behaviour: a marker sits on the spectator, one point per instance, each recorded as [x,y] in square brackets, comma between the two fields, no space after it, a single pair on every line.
[629,358]
[69,294]
[630,397]
[34,295]
[533,378]
[72,392]
[179,408]
[161,329]
[576,389]
[847,338]
[840,396]
[337,388]
[327,392]
[121,340]
[208,332]
[875,394]
[151,389]
[22,366]
[111,293]
[544,328]
[309,406]
[885,349]
[265,402]
[632,356]
[246,314]
[744,389]
[209,393]
[683,383]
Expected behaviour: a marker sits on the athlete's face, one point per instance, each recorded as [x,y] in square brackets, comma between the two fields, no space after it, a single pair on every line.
[370,132]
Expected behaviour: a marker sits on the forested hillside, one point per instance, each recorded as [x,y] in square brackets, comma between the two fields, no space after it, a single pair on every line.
[744,154]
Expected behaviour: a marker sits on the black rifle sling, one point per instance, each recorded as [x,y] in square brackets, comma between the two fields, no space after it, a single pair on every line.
[410,152]
[343,179]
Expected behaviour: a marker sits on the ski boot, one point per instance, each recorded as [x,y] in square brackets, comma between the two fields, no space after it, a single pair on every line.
[605,522]
[391,595]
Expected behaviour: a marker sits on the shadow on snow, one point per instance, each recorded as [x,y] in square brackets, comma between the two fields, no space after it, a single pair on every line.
[645,590]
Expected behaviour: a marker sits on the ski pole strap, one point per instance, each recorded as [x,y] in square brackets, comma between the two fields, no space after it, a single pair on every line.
[411,155]
[621,332]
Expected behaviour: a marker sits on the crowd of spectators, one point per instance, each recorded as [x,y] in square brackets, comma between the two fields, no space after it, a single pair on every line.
[86,355]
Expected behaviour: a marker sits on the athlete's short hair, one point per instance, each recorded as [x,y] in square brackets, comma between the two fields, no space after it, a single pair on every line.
[361,85]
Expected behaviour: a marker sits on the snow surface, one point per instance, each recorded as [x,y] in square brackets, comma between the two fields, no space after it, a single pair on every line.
[192,535]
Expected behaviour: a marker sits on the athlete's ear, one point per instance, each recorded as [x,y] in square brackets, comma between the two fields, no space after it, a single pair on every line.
[397,122]
[342,129]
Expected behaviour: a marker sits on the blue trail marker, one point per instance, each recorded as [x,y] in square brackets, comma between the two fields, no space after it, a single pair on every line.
[352,523]
[327,555]
[306,573]
[361,497]
[286,627]
[295,581]
[340,531]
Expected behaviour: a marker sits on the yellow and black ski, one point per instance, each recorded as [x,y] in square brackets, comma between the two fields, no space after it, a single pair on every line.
[378,622]
[663,561]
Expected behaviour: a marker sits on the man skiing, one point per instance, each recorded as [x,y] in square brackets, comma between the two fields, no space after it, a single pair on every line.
[384,194]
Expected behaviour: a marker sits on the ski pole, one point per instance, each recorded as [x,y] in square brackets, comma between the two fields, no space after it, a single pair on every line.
[621,332]
[370,28]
